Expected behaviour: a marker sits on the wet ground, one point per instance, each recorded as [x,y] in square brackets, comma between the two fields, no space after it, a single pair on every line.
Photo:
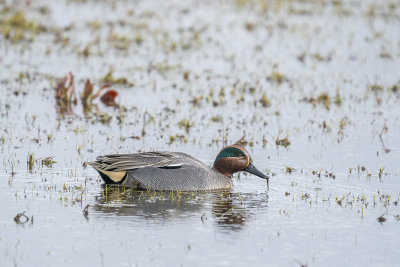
[311,88]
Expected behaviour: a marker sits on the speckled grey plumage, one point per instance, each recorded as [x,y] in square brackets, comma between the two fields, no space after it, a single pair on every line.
[163,171]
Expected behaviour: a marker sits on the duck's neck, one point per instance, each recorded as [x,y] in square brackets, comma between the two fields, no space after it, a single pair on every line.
[229,175]
[225,166]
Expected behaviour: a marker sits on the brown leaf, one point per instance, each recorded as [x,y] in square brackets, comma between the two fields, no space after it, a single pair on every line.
[107,85]
[87,91]
[65,87]
[60,87]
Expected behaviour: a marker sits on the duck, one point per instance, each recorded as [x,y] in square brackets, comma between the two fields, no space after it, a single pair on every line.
[174,171]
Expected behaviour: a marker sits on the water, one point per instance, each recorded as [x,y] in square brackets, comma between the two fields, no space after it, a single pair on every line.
[329,71]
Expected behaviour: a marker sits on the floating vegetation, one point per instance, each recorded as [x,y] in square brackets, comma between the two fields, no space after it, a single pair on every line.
[282,142]
[109,78]
[381,219]
[217,118]
[375,87]
[339,201]
[338,99]
[394,88]
[277,77]
[30,162]
[243,142]
[343,122]
[249,26]
[264,141]
[265,101]
[186,124]
[385,55]
[380,172]
[323,99]
[178,137]
[319,57]
[17,27]
[196,101]
[119,42]
[48,162]
[289,169]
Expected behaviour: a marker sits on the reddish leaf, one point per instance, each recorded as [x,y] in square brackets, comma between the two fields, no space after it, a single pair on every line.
[65,87]
[109,98]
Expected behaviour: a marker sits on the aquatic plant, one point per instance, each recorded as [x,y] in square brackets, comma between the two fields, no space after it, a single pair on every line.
[265,101]
[17,27]
[282,142]
[109,78]
[65,89]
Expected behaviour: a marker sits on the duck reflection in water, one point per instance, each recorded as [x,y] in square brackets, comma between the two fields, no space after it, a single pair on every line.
[228,209]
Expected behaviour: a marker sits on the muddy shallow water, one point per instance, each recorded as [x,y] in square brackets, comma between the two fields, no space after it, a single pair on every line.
[193,77]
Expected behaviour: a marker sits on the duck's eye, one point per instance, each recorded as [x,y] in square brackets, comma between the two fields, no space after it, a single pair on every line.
[241,155]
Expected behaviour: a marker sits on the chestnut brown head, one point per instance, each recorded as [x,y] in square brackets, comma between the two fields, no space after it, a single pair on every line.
[233,159]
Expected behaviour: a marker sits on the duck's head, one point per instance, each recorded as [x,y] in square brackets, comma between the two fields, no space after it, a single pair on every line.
[233,159]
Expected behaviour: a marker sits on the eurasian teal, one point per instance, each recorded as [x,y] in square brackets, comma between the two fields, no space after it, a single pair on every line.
[174,170]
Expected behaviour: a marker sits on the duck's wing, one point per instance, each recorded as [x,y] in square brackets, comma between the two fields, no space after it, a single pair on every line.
[115,166]
[128,162]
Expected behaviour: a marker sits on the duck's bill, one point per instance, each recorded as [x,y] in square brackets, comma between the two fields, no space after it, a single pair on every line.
[253,170]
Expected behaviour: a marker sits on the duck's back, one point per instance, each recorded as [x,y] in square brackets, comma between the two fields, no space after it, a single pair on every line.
[161,171]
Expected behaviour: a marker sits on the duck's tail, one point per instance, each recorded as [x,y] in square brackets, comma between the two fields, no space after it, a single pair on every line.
[109,177]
